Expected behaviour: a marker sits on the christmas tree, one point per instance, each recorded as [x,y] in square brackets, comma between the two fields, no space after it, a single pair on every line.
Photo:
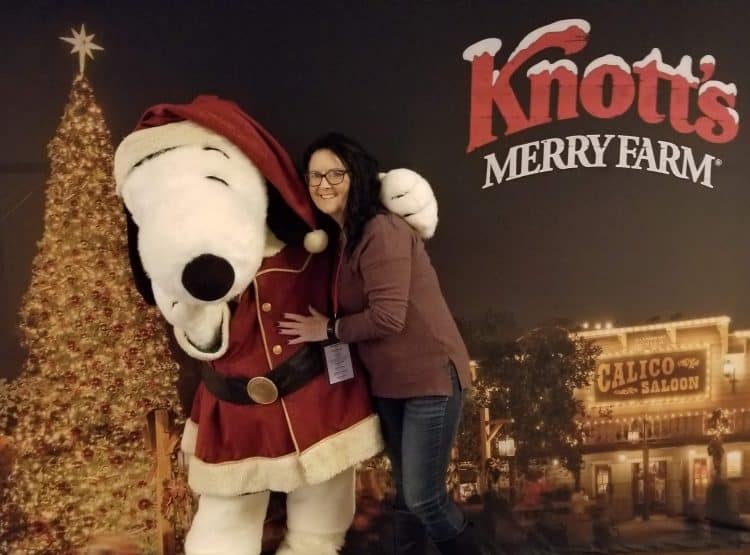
[97,362]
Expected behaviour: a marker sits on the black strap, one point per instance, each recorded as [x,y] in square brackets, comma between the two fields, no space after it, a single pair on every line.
[289,376]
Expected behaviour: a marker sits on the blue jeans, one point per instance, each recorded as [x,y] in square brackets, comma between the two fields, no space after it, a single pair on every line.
[419,433]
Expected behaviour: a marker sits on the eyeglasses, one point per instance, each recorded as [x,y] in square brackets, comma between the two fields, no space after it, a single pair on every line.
[333,177]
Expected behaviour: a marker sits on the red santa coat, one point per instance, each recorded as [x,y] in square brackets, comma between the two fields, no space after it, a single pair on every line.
[305,437]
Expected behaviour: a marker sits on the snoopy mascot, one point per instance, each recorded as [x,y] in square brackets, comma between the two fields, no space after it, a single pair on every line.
[223,239]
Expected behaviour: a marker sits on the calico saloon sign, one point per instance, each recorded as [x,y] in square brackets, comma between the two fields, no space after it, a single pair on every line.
[680,97]
[639,378]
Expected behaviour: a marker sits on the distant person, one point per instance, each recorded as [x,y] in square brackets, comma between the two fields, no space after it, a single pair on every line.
[601,516]
[493,475]
[578,503]
[532,493]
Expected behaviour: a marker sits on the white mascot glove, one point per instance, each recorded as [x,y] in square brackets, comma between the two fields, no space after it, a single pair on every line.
[197,327]
[409,195]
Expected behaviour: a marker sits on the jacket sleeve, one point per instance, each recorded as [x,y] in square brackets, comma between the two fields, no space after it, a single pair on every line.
[385,265]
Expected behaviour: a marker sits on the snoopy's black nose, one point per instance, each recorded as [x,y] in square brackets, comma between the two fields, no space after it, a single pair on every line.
[208,277]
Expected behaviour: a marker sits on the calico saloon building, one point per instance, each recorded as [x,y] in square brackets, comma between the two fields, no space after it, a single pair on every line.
[651,412]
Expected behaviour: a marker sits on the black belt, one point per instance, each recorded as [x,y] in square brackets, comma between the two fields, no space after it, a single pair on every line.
[289,376]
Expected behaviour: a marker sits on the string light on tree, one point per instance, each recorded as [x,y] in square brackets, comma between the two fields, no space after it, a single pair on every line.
[97,363]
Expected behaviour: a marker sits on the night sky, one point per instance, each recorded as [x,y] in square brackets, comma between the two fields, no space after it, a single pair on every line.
[585,244]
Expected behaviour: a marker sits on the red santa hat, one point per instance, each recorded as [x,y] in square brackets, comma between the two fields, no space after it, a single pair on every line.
[167,125]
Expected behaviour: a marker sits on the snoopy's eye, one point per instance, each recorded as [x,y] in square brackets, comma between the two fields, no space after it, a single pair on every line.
[213,148]
[219,179]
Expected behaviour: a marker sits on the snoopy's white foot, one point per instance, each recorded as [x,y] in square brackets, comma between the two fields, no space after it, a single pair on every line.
[307,543]
[227,525]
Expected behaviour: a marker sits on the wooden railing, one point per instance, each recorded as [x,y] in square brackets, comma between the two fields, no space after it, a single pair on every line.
[665,427]
[162,440]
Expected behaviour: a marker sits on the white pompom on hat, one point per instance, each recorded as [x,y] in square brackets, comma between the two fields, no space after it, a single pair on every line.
[166,126]
[316,241]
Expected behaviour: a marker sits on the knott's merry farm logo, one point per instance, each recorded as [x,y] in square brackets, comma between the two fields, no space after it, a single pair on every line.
[608,88]
[652,376]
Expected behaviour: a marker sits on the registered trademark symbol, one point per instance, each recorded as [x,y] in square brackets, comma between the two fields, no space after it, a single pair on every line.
[718,162]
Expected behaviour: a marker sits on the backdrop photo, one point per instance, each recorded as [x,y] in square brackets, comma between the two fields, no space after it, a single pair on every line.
[589,164]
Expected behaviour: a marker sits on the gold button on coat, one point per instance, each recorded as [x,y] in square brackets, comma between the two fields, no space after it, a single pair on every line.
[277,349]
[266,307]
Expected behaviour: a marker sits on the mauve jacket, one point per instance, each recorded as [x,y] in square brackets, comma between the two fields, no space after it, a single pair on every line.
[392,308]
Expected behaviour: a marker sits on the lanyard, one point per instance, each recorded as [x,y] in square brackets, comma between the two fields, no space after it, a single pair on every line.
[335,284]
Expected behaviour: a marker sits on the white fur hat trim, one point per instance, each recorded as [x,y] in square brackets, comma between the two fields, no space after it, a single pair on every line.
[145,142]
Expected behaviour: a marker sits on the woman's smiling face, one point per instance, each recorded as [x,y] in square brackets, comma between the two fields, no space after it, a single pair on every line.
[329,198]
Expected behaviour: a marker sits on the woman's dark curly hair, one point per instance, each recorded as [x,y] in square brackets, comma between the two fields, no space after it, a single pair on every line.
[363,201]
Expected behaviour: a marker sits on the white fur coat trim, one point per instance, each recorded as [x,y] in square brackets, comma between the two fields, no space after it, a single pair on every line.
[324,459]
[316,464]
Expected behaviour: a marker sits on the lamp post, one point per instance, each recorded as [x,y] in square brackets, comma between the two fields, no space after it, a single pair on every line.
[488,430]
[506,449]
[646,473]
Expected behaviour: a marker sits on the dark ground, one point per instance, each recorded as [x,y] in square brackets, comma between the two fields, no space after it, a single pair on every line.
[371,533]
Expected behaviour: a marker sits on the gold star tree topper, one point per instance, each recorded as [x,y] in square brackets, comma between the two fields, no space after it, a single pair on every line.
[83,44]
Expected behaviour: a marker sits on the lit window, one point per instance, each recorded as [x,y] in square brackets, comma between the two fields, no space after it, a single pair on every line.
[734,464]
[506,447]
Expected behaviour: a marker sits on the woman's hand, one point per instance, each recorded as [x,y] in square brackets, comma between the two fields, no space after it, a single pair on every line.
[305,328]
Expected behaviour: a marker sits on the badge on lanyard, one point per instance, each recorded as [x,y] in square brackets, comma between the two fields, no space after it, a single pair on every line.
[338,359]
[337,355]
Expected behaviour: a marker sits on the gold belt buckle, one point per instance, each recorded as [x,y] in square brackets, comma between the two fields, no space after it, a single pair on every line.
[262,390]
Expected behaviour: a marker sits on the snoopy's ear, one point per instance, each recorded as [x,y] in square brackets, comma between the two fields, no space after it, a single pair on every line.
[282,220]
[142,282]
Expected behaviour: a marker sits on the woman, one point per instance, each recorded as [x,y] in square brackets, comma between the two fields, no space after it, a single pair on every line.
[387,301]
